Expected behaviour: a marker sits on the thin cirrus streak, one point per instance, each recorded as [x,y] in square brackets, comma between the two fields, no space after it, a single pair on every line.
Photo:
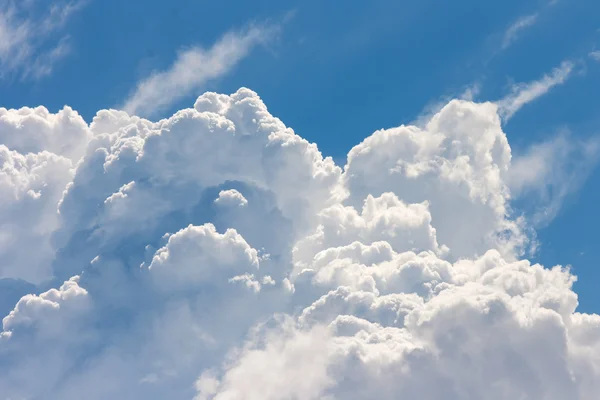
[193,68]
[525,93]
[27,28]
[513,31]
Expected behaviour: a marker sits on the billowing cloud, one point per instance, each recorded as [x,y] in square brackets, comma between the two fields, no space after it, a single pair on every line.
[34,130]
[216,254]
[231,197]
[38,154]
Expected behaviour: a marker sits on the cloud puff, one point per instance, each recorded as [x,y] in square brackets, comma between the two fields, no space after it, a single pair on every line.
[231,197]
[457,163]
[38,154]
[218,255]
[34,130]
[31,186]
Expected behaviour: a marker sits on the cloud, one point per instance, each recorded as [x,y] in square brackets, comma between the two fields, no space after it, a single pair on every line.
[461,155]
[28,30]
[44,64]
[34,130]
[192,69]
[514,30]
[552,170]
[469,92]
[595,55]
[231,197]
[216,254]
[525,93]
[512,33]
[38,154]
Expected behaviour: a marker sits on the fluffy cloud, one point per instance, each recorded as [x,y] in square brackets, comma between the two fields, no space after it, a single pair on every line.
[458,163]
[218,255]
[231,198]
[33,130]
[38,153]
[484,329]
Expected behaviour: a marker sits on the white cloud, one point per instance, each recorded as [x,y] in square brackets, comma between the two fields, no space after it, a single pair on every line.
[231,197]
[399,276]
[525,93]
[552,170]
[457,162]
[233,256]
[38,153]
[595,55]
[192,69]
[27,32]
[34,130]
[31,186]
[514,30]
[44,64]
[469,92]
[498,328]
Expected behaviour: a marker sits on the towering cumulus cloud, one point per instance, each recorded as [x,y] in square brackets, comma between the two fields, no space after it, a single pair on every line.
[217,255]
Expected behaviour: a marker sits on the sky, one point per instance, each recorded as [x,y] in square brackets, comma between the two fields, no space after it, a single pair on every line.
[439,151]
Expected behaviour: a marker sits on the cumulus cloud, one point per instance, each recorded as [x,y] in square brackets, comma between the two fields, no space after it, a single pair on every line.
[524,93]
[595,55]
[216,254]
[27,36]
[457,171]
[38,154]
[192,69]
[34,130]
[231,197]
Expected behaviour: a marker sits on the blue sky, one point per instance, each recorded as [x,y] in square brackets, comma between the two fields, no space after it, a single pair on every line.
[337,73]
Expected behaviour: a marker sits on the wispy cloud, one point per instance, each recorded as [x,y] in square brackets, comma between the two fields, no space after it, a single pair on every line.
[43,64]
[193,68]
[469,92]
[547,173]
[525,93]
[522,23]
[514,30]
[28,29]
[595,55]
